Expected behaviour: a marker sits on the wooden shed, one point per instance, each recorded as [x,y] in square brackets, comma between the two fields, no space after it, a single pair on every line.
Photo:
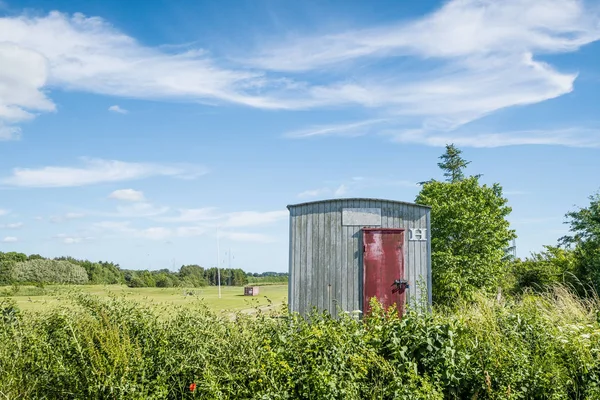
[251,290]
[342,252]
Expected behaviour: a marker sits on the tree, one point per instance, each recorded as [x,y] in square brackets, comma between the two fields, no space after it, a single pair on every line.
[469,231]
[453,164]
[552,266]
[585,241]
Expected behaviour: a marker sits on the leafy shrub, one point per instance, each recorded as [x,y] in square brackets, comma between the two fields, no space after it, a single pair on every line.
[541,346]
[49,271]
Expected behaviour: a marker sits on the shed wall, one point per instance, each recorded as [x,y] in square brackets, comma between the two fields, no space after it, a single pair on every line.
[326,256]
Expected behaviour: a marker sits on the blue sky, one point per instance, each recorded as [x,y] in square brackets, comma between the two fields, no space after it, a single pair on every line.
[130,131]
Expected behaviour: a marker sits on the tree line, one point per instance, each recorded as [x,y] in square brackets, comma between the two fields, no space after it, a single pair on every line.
[19,268]
[471,241]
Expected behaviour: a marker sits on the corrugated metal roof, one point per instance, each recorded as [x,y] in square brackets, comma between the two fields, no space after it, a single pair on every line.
[356,199]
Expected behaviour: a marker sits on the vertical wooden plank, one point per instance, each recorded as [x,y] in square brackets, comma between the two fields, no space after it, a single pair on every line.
[325,257]
[417,256]
[291,268]
[423,250]
[357,265]
[313,237]
[429,282]
[323,249]
[301,258]
[407,252]
[350,265]
[307,256]
[344,266]
[336,257]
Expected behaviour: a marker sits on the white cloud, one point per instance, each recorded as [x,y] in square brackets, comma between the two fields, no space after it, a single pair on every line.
[97,171]
[72,239]
[117,109]
[88,54]
[462,62]
[9,133]
[3,212]
[65,217]
[10,239]
[211,217]
[194,215]
[341,190]
[151,233]
[345,129]
[472,58]
[572,137]
[460,28]
[127,195]
[15,225]
[23,74]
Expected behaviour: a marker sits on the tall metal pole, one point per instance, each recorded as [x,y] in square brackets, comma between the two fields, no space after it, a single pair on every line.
[218,262]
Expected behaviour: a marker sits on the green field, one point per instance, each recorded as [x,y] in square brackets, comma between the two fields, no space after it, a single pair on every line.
[30,298]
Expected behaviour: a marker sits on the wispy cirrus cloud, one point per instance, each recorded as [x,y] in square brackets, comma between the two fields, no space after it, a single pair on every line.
[344,129]
[95,171]
[10,239]
[127,195]
[467,59]
[117,109]
[65,217]
[78,52]
[472,58]
[72,239]
[572,137]
[14,225]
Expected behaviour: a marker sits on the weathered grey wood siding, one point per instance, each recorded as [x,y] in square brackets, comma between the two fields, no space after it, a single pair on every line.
[325,259]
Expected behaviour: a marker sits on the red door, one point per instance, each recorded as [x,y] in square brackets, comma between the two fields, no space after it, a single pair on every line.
[383,267]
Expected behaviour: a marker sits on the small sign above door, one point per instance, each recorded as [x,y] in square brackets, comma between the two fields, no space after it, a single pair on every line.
[361,216]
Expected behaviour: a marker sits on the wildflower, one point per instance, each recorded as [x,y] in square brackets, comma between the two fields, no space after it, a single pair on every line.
[192,387]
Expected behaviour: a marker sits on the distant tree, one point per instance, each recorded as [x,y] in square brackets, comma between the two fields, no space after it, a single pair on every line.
[49,271]
[551,266]
[453,164]
[469,231]
[7,264]
[585,241]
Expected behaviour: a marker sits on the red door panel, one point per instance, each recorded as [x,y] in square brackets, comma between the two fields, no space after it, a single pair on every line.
[383,264]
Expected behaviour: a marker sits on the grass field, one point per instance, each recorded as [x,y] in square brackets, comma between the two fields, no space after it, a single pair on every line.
[30,298]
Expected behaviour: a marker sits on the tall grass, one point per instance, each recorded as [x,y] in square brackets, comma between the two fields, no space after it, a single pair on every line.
[536,347]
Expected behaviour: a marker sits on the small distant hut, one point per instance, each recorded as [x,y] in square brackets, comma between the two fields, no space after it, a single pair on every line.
[251,291]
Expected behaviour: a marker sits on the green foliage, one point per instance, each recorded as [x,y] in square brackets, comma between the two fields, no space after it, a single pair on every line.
[7,264]
[541,346]
[542,270]
[453,164]
[585,241]
[192,276]
[109,273]
[469,233]
[46,271]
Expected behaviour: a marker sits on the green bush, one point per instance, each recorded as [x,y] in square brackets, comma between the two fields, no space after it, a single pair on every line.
[541,346]
[49,271]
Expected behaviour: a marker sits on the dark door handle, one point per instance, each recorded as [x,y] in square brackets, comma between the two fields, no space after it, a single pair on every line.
[400,284]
